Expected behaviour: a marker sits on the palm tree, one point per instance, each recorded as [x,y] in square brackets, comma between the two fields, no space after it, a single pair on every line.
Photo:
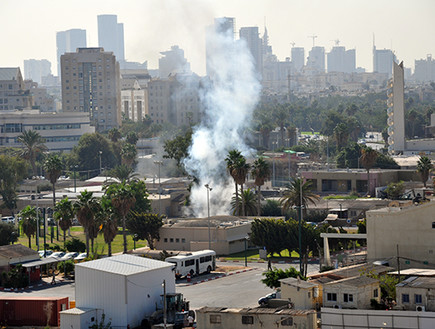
[33,145]
[261,172]
[424,167]
[114,134]
[128,154]
[108,222]
[241,170]
[85,208]
[123,173]
[248,200]
[53,168]
[341,134]
[63,214]
[231,159]
[122,199]
[368,160]
[28,222]
[292,196]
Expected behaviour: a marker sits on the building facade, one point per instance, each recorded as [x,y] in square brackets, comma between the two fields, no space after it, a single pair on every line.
[173,62]
[134,103]
[36,69]
[111,35]
[254,44]
[316,59]
[13,93]
[383,60]
[341,60]
[68,41]
[424,70]
[91,84]
[298,58]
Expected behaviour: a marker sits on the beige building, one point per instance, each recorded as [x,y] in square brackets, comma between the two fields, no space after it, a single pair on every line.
[91,84]
[406,232]
[354,292]
[13,93]
[227,234]
[254,318]
[134,102]
[416,294]
[303,294]
[61,131]
[16,254]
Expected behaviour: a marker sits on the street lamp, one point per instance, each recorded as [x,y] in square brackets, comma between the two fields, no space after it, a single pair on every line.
[300,222]
[75,170]
[209,189]
[246,257]
[100,153]
[159,163]
[164,303]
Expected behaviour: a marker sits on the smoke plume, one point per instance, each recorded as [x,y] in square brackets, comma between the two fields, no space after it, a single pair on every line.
[229,100]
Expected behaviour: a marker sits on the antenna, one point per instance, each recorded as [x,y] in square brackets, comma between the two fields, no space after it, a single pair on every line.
[293,44]
[313,37]
[337,42]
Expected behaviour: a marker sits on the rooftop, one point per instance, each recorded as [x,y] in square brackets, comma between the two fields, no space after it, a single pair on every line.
[17,250]
[256,310]
[355,270]
[8,73]
[298,283]
[415,272]
[357,281]
[125,264]
[221,221]
[418,282]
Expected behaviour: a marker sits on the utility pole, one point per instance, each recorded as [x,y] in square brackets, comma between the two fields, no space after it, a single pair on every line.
[398,261]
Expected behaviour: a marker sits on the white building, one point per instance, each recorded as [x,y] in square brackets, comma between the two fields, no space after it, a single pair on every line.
[134,102]
[125,288]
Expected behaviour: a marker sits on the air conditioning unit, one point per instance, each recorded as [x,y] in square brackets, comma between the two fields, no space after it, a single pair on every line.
[420,308]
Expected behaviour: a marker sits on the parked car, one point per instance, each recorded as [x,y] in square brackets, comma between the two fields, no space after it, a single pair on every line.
[51,222]
[80,257]
[47,253]
[57,254]
[263,300]
[8,220]
[70,255]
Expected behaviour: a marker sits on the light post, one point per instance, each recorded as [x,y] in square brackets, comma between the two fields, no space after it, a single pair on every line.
[100,153]
[300,222]
[164,303]
[159,163]
[134,241]
[209,189]
[75,170]
[246,256]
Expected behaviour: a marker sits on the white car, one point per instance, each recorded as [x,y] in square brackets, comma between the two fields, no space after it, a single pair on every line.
[8,220]
[69,255]
[47,253]
[57,254]
[80,257]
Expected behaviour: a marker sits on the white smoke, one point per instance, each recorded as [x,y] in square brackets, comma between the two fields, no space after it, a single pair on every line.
[229,101]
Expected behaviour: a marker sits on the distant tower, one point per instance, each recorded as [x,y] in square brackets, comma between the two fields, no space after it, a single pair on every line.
[36,69]
[111,35]
[173,61]
[254,43]
[383,60]
[68,42]
[316,59]
[396,111]
[298,58]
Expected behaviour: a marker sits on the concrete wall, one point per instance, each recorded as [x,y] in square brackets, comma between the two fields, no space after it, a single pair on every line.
[361,295]
[352,319]
[408,231]
[427,296]
[302,298]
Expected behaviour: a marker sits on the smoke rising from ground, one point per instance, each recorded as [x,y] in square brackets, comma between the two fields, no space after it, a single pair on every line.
[229,101]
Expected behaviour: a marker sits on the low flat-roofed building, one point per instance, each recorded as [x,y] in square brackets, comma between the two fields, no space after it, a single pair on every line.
[416,294]
[303,294]
[227,234]
[355,292]
[236,318]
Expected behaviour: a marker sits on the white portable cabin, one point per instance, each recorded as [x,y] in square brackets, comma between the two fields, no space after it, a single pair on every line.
[125,287]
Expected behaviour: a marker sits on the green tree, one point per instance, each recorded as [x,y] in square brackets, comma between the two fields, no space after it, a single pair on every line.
[140,193]
[395,190]
[85,208]
[28,222]
[273,276]
[424,167]
[271,208]
[33,146]
[269,233]
[298,192]
[75,245]
[53,167]
[231,160]
[12,170]
[240,171]
[248,201]
[261,172]
[177,148]
[341,135]
[128,154]
[114,135]
[123,173]
[8,234]
[368,159]
[146,226]
[132,138]
[122,199]
[108,222]
[63,214]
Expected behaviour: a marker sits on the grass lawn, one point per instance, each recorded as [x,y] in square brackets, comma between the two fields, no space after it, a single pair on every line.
[100,246]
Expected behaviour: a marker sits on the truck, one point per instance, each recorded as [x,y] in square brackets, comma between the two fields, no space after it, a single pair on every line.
[177,313]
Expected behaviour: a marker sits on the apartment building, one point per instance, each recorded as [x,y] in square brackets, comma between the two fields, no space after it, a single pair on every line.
[13,93]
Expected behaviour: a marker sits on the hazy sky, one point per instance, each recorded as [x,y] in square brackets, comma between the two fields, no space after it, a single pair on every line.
[28,27]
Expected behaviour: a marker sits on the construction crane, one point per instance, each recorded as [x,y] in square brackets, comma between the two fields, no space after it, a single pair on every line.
[313,37]
[293,44]
[337,42]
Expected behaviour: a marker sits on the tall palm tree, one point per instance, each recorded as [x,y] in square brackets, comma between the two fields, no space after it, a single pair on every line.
[292,196]
[424,167]
[261,172]
[241,170]
[114,135]
[231,159]
[341,134]
[85,208]
[33,145]
[123,173]
[128,154]
[122,199]
[249,202]
[53,168]
[368,160]
[63,214]
[108,222]
[28,222]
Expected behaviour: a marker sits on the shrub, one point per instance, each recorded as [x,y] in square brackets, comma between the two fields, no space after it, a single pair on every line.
[75,245]
[67,267]
[271,208]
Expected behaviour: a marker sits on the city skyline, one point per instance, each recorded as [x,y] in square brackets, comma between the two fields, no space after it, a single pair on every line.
[154,26]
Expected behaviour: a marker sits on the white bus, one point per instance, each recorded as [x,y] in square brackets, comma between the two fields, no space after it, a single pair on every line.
[195,263]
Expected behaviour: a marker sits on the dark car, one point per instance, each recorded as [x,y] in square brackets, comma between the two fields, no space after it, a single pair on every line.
[265,299]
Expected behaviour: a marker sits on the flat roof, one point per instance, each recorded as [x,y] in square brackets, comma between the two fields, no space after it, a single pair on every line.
[415,272]
[357,281]
[256,310]
[418,282]
[298,283]
[354,270]
[125,264]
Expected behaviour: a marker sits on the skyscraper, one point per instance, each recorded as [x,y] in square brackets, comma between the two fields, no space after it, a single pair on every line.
[254,43]
[383,61]
[173,62]
[298,58]
[36,69]
[68,41]
[90,83]
[396,110]
[111,35]
[341,60]
[316,59]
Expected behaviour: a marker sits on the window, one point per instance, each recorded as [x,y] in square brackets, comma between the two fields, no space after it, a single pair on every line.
[189,262]
[183,240]
[375,293]
[215,318]
[405,298]
[433,224]
[287,321]
[171,240]
[247,319]
[418,299]
[347,298]
[165,239]
[177,240]
[331,297]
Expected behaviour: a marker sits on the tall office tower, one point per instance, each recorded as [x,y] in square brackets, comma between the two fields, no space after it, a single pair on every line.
[298,58]
[396,110]
[222,26]
[111,35]
[254,43]
[383,60]
[68,42]
[90,83]
[267,49]
[316,59]
[424,69]
[35,69]
[13,93]
[173,61]
[341,60]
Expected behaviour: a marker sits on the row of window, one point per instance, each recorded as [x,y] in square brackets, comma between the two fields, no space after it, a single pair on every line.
[347,298]
[418,299]
[177,240]
[249,319]
[9,86]
[56,127]
[3,100]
